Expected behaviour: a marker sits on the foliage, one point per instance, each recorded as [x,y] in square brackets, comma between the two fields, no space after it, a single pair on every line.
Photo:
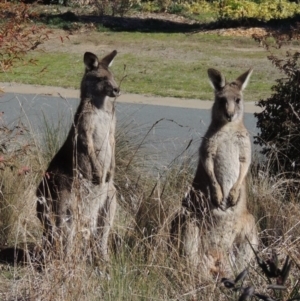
[199,7]
[66,21]
[116,7]
[279,121]
[17,35]
[227,9]
[178,7]
[261,10]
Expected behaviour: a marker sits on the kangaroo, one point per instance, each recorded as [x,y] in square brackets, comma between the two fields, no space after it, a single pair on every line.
[77,192]
[215,215]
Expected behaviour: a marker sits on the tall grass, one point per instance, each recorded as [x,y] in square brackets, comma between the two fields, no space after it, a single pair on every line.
[53,135]
[17,178]
[143,264]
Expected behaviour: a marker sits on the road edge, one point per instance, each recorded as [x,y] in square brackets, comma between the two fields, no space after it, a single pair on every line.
[17,88]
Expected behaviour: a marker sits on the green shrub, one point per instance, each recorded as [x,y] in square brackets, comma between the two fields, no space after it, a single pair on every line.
[279,121]
[227,9]
[261,10]
[117,7]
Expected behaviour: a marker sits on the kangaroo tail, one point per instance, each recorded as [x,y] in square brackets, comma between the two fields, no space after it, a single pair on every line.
[14,255]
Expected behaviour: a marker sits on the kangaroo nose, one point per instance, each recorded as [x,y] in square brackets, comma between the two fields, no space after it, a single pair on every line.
[116,91]
[229,116]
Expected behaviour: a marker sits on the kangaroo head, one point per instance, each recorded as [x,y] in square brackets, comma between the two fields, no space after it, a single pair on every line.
[229,104]
[98,81]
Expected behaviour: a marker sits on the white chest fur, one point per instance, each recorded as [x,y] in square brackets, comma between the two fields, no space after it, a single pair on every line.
[104,123]
[228,149]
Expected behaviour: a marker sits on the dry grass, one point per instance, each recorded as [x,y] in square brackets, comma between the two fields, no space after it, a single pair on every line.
[143,264]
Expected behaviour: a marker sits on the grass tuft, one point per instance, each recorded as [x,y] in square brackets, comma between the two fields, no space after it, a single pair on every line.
[143,265]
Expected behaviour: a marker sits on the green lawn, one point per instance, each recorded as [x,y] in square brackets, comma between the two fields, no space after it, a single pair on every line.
[154,63]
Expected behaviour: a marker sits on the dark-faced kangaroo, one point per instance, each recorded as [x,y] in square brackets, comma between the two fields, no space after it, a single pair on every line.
[217,202]
[77,192]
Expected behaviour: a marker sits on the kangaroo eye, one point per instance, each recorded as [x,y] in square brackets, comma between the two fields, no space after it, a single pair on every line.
[238,100]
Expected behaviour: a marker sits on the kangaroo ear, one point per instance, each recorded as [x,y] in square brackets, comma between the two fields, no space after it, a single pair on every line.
[108,60]
[217,80]
[243,79]
[90,60]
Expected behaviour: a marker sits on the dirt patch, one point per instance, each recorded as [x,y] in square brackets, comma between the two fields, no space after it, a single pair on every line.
[240,31]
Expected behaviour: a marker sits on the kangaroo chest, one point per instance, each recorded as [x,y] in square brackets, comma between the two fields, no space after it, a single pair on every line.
[103,124]
[227,149]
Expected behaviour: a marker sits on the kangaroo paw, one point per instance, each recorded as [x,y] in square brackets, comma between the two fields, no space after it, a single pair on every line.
[217,197]
[233,197]
[96,179]
[223,205]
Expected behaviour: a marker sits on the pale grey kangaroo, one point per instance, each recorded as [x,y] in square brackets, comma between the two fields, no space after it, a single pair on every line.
[215,215]
[77,192]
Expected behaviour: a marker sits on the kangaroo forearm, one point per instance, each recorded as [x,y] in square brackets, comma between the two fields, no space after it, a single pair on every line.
[209,168]
[243,172]
[216,190]
[112,166]
[236,189]
[113,159]
[97,167]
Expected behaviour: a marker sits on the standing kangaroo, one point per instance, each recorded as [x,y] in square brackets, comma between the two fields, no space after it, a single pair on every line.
[77,192]
[219,220]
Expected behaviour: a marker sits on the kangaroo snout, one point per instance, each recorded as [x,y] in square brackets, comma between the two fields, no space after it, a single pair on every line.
[112,89]
[230,110]
[116,91]
[229,116]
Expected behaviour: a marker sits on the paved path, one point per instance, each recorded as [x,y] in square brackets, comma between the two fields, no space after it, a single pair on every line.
[125,98]
[166,126]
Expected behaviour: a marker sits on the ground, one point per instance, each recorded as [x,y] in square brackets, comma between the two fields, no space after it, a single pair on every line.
[250,107]
[84,37]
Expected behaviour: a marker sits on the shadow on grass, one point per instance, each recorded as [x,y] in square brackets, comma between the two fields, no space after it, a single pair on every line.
[66,21]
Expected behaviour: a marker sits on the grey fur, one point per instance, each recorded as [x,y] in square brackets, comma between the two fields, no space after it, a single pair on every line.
[77,193]
[215,217]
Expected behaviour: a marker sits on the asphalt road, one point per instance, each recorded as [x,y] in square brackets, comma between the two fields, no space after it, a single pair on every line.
[165,131]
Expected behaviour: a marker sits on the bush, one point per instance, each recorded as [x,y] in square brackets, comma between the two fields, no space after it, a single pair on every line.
[18,35]
[279,121]
[116,7]
[262,10]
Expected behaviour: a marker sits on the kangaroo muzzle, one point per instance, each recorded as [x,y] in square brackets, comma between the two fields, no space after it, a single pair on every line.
[116,91]
[229,116]
[230,111]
